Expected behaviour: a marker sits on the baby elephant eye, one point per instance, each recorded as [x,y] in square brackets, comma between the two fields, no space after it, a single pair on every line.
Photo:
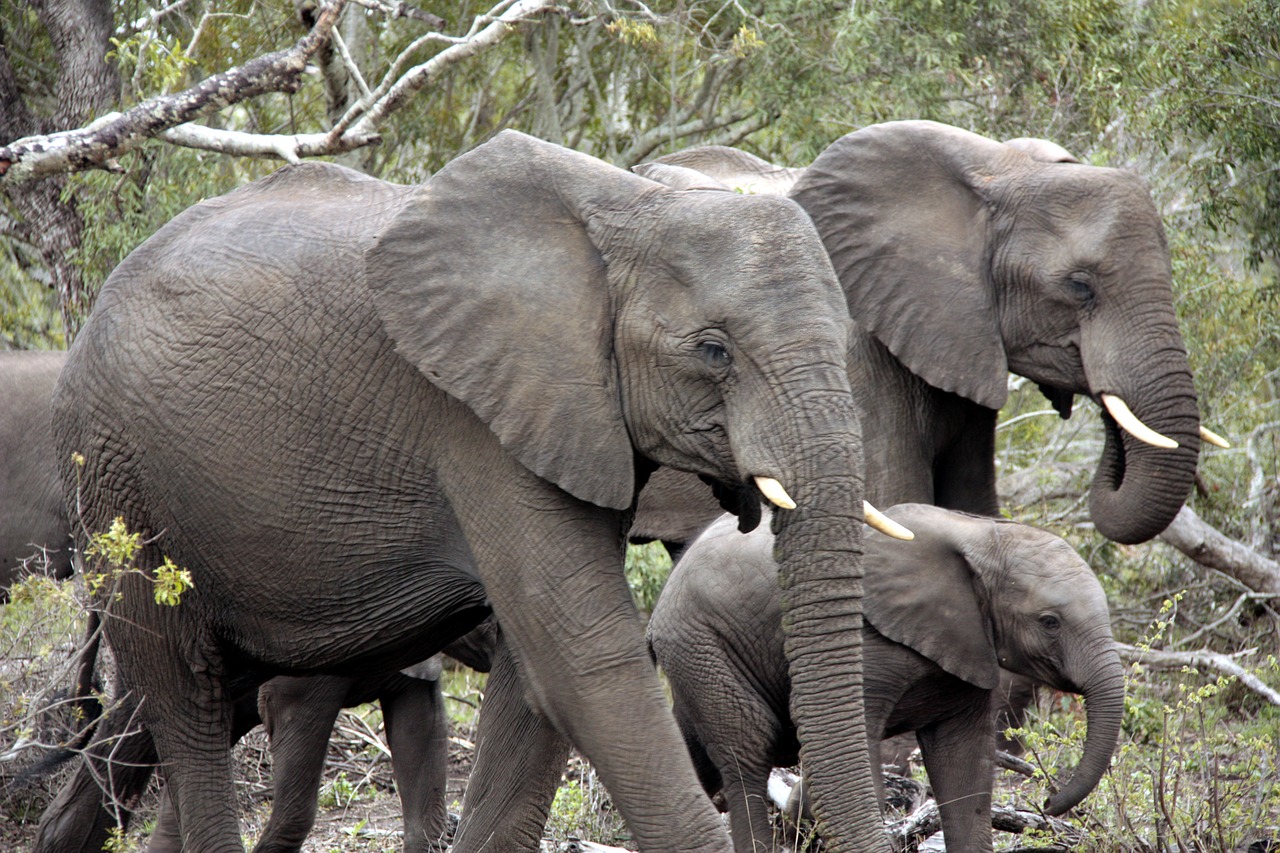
[1050,622]
[714,354]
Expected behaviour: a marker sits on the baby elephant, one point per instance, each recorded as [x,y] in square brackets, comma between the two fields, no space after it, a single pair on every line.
[942,613]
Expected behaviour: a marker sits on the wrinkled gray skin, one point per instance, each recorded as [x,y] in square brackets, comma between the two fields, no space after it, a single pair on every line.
[942,613]
[362,414]
[299,712]
[33,522]
[961,258]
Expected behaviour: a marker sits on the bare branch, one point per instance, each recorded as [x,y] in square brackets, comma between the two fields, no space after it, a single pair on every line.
[112,135]
[391,98]
[1208,547]
[1203,658]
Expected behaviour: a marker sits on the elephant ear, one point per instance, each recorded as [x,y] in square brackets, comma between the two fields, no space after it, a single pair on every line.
[489,283]
[677,177]
[901,209]
[1042,150]
[738,170]
[924,594]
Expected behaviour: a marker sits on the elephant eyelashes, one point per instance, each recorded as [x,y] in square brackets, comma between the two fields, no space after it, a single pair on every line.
[715,355]
[1050,623]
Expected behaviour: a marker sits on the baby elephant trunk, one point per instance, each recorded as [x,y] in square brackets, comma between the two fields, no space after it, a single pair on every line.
[1103,695]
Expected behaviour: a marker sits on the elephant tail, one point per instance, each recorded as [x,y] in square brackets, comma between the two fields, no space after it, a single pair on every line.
[86,709]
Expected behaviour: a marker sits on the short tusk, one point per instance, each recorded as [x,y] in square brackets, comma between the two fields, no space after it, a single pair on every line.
[773,490]
[1210,437]
[885,524]
[1129,422]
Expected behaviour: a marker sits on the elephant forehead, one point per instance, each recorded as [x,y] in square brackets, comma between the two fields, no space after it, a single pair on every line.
[747,243]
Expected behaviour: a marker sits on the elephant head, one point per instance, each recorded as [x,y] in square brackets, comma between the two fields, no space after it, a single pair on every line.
[695,329]
[1003,595]
[1054,270]
[967,258]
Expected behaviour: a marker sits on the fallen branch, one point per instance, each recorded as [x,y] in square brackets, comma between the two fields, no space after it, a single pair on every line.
[1203,658]
[908,832]
[1207,546]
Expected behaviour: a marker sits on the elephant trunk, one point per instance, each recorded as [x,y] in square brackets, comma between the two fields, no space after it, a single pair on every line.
[819,551]
[1103,691]
[1138,489]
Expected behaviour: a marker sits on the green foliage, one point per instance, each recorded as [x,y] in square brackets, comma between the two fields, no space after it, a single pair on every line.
[582,809]
[340,792]
[647,569]
[113,553]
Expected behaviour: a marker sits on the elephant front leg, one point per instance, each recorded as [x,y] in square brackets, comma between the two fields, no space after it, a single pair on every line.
[520,758]
[959,757]
[553,568]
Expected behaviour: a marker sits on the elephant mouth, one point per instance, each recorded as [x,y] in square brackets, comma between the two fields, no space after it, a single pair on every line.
[740,499]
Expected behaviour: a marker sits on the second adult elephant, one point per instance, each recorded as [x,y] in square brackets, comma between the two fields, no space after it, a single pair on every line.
[361,414]
[963,259]
[943,613]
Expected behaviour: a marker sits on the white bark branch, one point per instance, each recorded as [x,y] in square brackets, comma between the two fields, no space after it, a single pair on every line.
[1203,658]
[95,146]
[1208,547]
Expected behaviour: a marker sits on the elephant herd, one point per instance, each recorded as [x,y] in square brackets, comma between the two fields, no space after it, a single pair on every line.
[375,422]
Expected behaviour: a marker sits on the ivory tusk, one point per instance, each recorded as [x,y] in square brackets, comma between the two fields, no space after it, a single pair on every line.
[885,524]
[1210,437]
[773,490]
[1129,422]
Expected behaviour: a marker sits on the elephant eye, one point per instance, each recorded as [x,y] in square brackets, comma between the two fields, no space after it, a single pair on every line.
[714,354]
[1050,622]
[1081,285]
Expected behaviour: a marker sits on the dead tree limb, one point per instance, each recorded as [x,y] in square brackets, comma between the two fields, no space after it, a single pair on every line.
[1207,546]
[95,146]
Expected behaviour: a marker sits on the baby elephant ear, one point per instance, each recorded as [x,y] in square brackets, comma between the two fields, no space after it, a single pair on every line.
[922,594]
[488,282]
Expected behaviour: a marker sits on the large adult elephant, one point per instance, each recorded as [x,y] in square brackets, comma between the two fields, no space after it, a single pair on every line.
[961,259]
[34,530]
[363,414]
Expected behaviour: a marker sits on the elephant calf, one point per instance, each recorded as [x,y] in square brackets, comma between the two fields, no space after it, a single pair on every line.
[942,614]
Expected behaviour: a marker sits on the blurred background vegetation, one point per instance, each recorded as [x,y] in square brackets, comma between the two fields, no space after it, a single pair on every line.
[1184,92]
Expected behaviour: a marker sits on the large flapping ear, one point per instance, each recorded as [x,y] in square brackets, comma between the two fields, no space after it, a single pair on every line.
[489,284]
[923,594]
[738,170]
[901,210]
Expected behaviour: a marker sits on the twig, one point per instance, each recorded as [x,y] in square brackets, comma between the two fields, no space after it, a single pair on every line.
[1220,662]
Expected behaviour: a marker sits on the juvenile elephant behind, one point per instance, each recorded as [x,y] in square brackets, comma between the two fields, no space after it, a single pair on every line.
[942,614]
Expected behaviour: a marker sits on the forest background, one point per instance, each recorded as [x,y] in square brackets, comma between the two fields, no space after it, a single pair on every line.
[96,153]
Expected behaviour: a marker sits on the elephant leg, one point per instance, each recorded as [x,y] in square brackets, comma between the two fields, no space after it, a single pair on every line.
[298,713]
[166,837]
[958,757]
[553,569]
[102,793]
[418,734]
[746,792]
[520,758]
